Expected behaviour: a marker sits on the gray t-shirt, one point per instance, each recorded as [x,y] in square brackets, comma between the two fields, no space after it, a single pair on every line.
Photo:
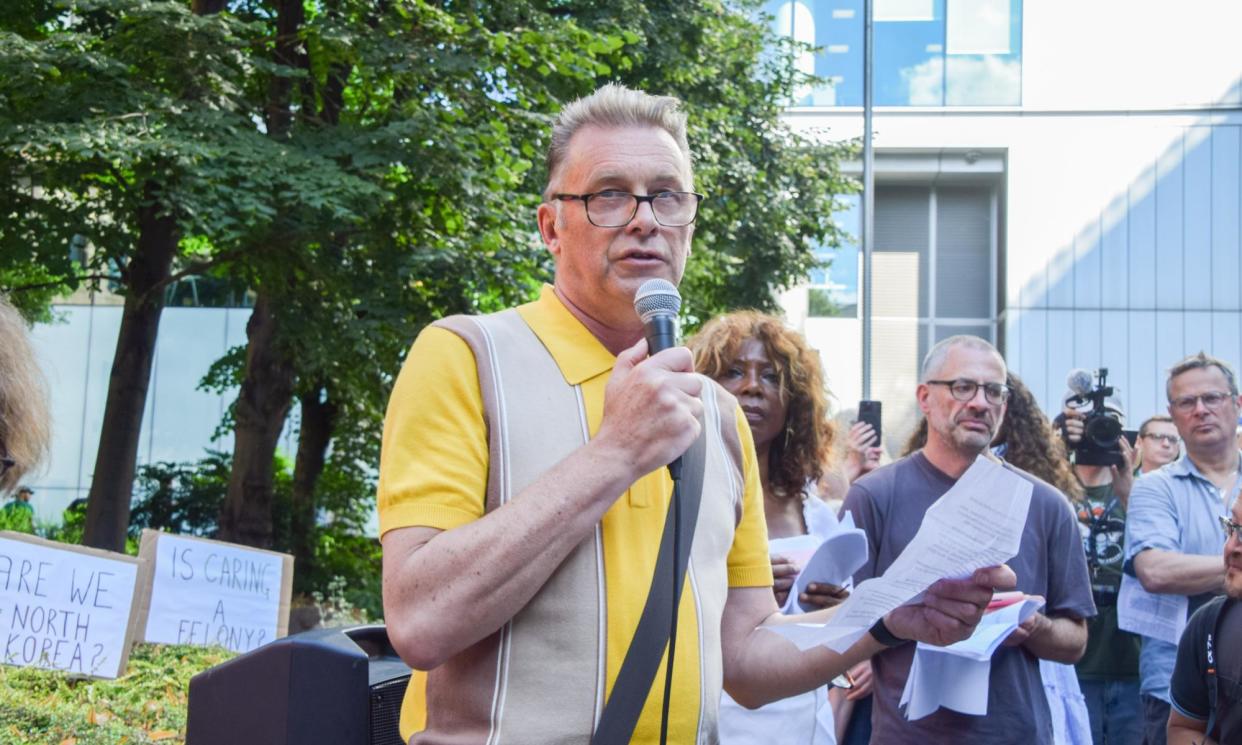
[889,504]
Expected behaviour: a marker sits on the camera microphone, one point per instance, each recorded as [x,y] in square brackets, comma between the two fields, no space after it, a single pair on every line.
[1080,382]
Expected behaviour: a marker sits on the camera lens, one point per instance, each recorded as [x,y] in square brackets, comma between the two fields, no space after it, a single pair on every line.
[1103,431]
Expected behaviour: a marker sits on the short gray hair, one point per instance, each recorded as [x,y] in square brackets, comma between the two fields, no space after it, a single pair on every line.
[935,356]
[613,106]
[1201,361]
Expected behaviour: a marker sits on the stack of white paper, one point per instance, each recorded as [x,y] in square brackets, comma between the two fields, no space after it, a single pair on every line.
[977,523]
[956,677]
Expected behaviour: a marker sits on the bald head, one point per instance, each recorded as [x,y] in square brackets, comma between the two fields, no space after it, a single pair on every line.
[933,363]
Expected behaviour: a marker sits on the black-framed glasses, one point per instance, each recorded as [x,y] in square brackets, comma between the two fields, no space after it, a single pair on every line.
[1166,439]
[1213,400]
[1231,528]
[964,390]
[615,209]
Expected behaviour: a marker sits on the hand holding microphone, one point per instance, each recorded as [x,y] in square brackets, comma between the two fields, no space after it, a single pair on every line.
[652,410]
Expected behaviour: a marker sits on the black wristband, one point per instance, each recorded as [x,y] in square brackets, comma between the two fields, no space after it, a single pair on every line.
[884,636]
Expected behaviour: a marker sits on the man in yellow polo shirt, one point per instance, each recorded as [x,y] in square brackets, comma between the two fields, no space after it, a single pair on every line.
[523,491]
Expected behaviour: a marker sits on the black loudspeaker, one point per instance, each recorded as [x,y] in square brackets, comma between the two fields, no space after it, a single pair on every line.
[328,686]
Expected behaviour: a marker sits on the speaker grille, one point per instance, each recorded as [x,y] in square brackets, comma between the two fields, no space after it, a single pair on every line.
[386,711]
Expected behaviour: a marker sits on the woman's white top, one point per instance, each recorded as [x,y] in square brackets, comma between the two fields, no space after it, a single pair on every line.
[805,719]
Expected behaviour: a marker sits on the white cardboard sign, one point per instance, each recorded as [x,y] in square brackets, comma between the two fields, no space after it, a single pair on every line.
[205,592]
[65,607]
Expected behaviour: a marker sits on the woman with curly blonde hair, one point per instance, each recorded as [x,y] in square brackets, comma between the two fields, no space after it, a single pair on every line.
[779,383]
[24,432]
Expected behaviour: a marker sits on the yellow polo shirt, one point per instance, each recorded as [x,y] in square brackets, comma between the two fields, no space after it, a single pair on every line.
[433,473]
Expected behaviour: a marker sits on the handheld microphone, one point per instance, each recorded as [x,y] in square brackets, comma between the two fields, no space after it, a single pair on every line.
[657,303]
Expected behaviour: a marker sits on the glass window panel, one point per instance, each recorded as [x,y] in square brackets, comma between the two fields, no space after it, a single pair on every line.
[978,27]
[835,289]
[983,65]
[904,10]
[838,31]
[909,61]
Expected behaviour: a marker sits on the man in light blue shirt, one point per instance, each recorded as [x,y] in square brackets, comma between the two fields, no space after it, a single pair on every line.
[1173,538]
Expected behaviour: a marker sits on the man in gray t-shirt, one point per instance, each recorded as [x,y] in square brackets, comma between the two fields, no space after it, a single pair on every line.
[962,394]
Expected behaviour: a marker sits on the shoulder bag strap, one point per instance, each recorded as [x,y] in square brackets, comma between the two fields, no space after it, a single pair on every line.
[642,660]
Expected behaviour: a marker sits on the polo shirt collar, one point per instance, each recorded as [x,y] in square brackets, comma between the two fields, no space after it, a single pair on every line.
[1184,467]
[578,354]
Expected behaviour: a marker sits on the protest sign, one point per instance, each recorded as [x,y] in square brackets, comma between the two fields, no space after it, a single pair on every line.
[205,592]
[65,607]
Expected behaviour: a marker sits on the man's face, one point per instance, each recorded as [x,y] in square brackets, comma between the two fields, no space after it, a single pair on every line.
[1203,427]
[1233,557]
[967,427]
[600,269]
[1158,445]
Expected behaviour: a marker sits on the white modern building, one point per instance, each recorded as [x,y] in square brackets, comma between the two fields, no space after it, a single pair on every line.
[1061,177]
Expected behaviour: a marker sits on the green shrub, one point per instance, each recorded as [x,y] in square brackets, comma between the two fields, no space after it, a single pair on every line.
[146,705]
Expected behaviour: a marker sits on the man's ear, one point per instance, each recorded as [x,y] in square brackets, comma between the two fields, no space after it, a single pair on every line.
[546,216]
[920,395]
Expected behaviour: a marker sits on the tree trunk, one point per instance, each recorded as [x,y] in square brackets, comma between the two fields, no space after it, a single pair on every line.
[318,418]
[207,7]
[112,485]
[259,416]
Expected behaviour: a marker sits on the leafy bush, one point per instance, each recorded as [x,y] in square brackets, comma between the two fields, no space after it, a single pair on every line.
[185,498]
[146,705]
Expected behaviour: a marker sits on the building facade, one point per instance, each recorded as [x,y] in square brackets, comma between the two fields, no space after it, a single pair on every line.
[1062,178]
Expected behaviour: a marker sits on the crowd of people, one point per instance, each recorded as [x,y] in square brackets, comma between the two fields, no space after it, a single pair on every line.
[535,546]
[535,479]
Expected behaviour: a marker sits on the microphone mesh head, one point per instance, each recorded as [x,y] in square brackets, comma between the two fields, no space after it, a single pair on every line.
[656,297]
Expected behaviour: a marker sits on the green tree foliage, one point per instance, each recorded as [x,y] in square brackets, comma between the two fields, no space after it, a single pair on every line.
[365,167]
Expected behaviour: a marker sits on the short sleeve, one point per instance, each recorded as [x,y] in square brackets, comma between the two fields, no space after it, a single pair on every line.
[748,563]
[434,460]
[1069,583]
[860,504]
[1188,687]
[1151,519]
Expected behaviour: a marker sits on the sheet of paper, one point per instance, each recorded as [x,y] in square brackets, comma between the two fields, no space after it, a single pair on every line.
[927,691]
[991,631]
[956,677]
[1151,614]
[977,523]
[833,562]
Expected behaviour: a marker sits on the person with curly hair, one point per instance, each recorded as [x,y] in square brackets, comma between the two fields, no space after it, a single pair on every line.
[24,428]
[779,383]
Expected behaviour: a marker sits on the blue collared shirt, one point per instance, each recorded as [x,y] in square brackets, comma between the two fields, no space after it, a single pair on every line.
[1173,509]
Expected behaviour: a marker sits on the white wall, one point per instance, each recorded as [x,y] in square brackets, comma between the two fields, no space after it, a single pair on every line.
[1123,169]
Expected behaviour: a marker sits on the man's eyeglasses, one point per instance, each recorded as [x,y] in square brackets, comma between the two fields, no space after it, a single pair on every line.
[1186,404]
[965,390]
[615,209]
[1166,439]
[1231,528]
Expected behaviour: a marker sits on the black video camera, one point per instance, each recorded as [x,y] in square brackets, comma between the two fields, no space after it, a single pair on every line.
[1102,429]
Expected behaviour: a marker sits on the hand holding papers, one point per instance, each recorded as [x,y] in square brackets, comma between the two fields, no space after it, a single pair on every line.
[978,523]
[833,562]
[956,677]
